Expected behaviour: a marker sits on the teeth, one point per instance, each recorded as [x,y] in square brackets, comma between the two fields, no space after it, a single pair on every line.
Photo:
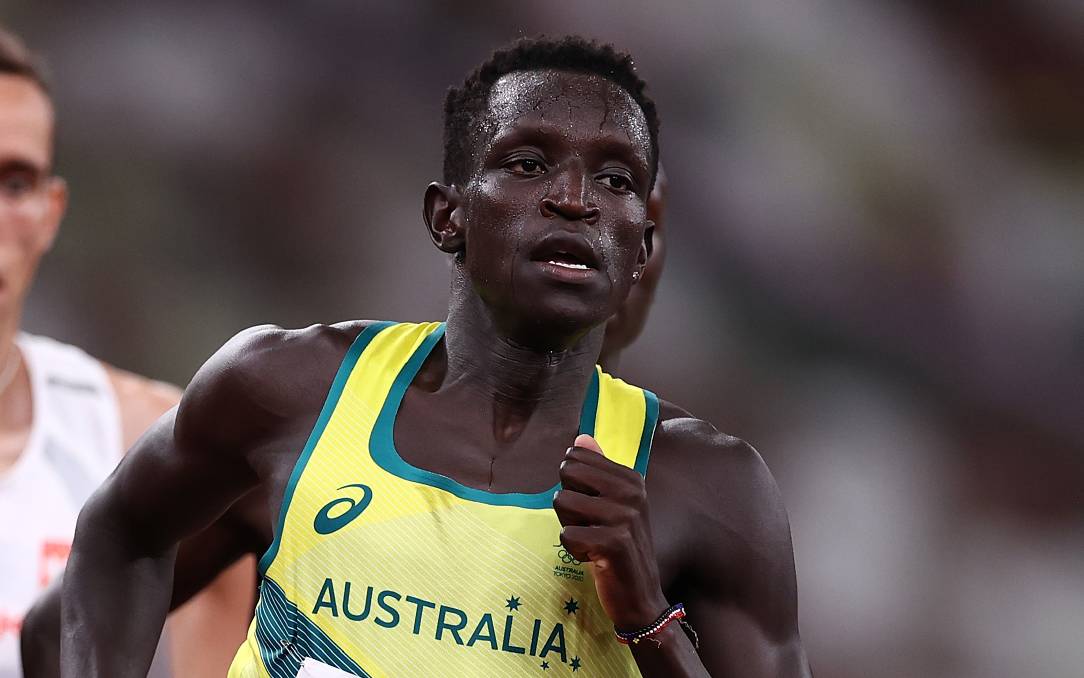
[564,264]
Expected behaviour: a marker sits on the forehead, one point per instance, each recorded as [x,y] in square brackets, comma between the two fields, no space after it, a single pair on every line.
[26,121]
[578,104]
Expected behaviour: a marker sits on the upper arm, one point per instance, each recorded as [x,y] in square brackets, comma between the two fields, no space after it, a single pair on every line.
[739,586]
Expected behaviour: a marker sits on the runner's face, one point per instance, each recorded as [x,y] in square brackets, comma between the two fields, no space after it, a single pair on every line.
[555,210]
[31,199]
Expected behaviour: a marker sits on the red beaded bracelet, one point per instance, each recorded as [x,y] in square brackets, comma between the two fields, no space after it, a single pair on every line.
[672,613]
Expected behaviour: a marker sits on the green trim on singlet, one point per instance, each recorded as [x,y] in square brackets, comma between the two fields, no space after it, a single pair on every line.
[287,637]
[590,404]
[337,386]
[651,417]
[382,443]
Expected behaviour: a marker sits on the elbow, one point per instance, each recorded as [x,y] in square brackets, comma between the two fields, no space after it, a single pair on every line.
[93,523]
[107,529]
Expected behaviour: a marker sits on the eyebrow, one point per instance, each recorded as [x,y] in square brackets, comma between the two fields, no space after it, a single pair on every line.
[20,165]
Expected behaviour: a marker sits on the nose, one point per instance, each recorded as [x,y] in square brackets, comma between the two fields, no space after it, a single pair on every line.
[567,198]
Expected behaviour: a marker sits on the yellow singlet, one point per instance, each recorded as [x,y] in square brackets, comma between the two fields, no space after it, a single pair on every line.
[379,568]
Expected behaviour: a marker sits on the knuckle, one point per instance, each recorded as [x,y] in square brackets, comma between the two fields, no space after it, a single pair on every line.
[627,514]
[610,541]
[560,500]
[621,539]
[570,468]
[634,489]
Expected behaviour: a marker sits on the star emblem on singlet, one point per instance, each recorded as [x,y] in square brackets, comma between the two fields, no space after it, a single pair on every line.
[571,605]
[575,664]
[545,666]
[512,603]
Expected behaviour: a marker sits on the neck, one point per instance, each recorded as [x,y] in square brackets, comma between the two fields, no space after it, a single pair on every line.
[9,327]
[515,380]
[15,398]
[9,359]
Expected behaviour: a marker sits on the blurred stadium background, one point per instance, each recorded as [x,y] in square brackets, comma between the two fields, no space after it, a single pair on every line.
[876,233]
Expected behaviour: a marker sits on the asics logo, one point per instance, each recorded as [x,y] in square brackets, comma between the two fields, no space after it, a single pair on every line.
[325,523]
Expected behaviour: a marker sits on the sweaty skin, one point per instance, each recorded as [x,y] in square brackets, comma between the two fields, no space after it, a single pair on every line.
[563,165]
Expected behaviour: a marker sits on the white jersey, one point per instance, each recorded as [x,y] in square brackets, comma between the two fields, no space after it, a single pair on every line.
[75,442]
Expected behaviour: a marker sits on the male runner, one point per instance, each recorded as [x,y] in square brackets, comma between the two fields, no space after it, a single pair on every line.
[468,497]
[203,557]
[65,418]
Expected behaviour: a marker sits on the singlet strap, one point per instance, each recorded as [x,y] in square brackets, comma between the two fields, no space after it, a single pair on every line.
[346,368]
[625,422]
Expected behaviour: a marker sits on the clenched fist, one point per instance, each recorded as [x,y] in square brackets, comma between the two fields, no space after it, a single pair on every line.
[603,509]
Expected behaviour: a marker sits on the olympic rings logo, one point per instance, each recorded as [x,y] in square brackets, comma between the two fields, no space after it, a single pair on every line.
[566,557]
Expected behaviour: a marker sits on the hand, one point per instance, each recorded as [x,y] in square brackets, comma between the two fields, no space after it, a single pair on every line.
[603,508]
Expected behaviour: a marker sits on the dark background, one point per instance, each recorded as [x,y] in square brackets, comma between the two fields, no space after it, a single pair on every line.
[875,273]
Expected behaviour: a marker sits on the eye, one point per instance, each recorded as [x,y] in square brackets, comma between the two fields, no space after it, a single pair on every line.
[526,166]
[617,182]
[17,184]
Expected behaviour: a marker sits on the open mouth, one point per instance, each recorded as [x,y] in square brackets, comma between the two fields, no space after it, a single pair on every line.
[569,261]
[566,252]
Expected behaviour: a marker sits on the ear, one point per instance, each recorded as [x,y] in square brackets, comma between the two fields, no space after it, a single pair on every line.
[443,218]
[645,249]
[56,197]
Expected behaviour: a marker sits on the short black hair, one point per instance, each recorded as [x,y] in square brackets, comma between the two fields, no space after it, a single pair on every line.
[465,106]
[16,59]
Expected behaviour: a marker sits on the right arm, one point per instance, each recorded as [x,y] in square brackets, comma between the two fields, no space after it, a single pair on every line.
[179,477]
[224,606]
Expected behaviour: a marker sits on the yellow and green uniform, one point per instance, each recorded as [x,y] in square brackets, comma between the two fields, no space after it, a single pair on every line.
[379,568]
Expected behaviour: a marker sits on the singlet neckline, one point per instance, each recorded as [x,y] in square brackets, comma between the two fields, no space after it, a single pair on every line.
[384,453]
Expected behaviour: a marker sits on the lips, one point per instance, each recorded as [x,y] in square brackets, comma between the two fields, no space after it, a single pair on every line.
[567,251]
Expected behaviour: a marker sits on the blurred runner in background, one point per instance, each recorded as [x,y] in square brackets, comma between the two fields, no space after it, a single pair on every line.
[65,417]
[626,325]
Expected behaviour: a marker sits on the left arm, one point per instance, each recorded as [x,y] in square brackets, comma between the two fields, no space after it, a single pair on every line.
[738,583]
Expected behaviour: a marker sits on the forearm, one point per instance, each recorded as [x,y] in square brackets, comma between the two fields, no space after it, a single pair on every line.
[194,569]
[39,638]
[116,596]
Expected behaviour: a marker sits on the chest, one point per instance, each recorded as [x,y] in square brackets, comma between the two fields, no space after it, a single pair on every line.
[439,448]
[480,449]
[441,537]
[460,580]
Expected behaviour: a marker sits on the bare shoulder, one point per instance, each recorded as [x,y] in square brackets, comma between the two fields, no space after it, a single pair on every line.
[724,518]
[268,367]
[262,376]
[723,485]
[700,448]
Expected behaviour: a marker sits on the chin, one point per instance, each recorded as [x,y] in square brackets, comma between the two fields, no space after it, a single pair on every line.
[558,323]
